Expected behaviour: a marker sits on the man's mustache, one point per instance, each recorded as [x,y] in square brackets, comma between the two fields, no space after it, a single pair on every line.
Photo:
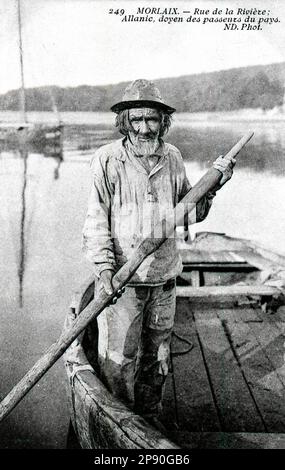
[149,135]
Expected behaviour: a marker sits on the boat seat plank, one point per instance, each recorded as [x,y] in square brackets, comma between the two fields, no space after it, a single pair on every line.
[259,371]
[226,377]
[214,266]
[226,291]
[195,406]
[197,256]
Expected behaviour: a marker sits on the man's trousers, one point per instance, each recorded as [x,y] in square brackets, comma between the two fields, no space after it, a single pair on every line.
[134,345]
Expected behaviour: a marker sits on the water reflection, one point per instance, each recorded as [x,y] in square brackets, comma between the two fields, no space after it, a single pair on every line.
[21,268]
[57,154]
[54,151]
[23,152]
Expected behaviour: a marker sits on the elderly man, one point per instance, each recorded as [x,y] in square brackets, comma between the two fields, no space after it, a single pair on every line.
[135,181]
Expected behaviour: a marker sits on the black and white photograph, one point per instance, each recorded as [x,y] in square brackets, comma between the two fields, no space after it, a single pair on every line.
[142,213]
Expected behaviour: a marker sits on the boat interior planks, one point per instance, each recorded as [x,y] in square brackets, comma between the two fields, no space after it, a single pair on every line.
[259,373]
[230,391]
[188,391]
[227,381]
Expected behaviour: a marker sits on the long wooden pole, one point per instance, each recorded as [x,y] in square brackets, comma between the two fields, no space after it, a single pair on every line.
[145,248]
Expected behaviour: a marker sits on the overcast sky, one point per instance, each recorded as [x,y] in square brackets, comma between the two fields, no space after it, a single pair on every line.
[75,42]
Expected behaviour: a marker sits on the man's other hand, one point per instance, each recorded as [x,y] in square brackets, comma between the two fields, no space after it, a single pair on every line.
[225,165]
[105,281]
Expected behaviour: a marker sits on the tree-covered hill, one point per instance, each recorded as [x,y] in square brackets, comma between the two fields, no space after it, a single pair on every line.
[259,86]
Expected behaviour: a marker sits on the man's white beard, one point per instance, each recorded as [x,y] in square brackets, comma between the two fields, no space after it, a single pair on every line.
[143,148]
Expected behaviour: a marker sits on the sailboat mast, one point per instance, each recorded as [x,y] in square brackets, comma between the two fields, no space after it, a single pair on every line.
[22,91]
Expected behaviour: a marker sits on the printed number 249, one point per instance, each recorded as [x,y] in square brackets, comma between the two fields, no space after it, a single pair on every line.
[116,12]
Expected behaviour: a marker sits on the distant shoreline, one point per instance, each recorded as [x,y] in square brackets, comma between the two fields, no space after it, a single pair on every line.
[102,117]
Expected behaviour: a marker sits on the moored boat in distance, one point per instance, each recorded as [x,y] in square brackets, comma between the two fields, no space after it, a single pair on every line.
[226,388]
[31,133]
[24,132]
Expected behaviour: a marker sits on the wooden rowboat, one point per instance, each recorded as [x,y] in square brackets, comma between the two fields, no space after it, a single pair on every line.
[228,389]
[30,133]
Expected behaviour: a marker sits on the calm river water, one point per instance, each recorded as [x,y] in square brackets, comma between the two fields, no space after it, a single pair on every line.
[43,205]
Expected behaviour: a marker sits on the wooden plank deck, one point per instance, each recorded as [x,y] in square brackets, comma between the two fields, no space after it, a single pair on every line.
[196,408]
[259,373]
[230,387]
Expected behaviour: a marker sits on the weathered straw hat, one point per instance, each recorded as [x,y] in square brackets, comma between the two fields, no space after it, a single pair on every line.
[141,94]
